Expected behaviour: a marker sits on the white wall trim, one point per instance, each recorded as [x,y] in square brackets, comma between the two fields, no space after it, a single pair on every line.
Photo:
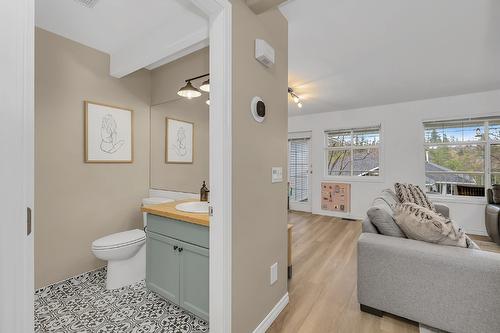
[17,167]
[272,315]
[174,195]
[220,36]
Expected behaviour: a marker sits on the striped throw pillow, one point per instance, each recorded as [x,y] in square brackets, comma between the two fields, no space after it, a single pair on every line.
[413,194]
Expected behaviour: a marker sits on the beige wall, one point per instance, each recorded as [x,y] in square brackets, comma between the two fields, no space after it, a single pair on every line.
[76,203]
[165,82]
[259,207]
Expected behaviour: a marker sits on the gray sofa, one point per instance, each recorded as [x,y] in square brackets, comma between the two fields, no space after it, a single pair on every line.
[450,288]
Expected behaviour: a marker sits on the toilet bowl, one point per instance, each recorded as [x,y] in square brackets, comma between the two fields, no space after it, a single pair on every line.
[125,253]
[126,256]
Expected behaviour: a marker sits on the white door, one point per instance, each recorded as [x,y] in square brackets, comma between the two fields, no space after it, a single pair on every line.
[299,171]
[16,165]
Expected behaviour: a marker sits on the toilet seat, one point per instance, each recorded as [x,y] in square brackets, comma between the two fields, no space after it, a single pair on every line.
[119,239]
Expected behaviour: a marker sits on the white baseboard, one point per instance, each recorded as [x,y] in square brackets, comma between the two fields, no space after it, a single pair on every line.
[271,316]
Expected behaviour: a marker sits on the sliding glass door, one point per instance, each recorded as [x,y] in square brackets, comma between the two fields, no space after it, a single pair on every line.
[299,171]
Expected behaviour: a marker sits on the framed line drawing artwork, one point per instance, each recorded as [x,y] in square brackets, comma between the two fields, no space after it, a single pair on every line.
[179,141]
[108,134]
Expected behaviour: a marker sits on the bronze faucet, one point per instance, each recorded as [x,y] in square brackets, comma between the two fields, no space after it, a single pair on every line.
[204,192]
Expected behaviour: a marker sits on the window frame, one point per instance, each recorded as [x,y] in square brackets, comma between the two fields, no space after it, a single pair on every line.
[351,148]
[487,143]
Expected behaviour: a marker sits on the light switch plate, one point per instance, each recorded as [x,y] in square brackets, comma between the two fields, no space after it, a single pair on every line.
[277,174]
[274,273]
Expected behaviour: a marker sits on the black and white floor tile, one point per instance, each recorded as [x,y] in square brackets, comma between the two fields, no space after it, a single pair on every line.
[82,304]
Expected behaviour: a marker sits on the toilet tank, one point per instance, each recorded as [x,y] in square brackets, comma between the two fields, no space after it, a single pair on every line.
[152,201]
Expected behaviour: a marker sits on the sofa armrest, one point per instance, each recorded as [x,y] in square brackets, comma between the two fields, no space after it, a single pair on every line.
[450,288]
[442,209]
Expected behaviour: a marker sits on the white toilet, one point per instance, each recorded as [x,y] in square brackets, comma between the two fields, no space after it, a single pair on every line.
[125,252]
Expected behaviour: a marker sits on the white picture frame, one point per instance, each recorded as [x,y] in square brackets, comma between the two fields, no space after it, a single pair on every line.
[108,134]
[179,141]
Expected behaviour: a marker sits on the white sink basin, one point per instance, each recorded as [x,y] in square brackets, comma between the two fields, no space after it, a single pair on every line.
[198,207]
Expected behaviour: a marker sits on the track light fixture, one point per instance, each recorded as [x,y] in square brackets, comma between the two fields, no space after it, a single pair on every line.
[189,91]
[295,98]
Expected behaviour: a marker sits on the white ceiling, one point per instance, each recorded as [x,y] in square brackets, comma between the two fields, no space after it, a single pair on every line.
[136,33]
[346,54]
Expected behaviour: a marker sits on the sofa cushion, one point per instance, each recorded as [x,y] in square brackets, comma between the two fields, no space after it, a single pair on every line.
[423,224]
[413,194]
[381,216]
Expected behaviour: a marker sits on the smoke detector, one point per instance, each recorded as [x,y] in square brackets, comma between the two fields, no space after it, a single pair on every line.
[87,3]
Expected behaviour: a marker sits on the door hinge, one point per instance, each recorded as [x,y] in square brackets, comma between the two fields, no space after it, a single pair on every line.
[28,221]
[210,211]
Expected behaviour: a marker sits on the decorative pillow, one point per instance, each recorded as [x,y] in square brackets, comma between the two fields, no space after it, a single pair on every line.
[413,194]
[381,216]
[426,225]
[389,197]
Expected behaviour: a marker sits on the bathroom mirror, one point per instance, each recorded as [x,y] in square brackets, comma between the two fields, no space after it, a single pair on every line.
[189,116]
[182,177]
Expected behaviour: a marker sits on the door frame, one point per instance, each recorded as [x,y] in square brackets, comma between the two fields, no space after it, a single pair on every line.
[303,206]
[17,169]
[219,13]
[20,17]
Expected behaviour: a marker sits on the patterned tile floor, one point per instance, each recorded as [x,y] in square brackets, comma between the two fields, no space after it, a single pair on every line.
[82,304]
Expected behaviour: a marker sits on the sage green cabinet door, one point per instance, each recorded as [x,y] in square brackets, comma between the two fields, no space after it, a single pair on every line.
[162,263]
[194,266]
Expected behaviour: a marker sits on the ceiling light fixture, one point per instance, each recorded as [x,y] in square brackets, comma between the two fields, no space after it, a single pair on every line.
[295,98]
[189,91]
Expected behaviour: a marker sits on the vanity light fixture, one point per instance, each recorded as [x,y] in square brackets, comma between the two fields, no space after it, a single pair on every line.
[205,86]
[295,98]
[189,91]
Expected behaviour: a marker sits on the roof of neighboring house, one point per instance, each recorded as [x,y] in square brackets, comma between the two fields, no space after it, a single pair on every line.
[432,178]
[370,162]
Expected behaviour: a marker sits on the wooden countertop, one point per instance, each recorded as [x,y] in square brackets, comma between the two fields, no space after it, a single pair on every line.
[168,210]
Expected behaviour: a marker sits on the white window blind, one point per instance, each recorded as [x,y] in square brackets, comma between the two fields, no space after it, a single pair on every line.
[298,169]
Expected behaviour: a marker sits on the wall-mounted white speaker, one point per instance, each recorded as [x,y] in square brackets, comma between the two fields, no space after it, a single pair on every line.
[264,52]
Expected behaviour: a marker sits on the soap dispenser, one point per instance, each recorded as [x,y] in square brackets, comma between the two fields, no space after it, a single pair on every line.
[204,192]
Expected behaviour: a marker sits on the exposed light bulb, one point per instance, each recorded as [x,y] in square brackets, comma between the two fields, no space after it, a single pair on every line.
[299,104]
[296,99]
[207,101]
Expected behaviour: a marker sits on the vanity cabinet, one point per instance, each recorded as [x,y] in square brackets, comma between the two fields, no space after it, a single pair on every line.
[177,263]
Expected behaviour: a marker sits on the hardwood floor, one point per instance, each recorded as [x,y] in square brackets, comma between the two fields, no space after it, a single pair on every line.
[323,287]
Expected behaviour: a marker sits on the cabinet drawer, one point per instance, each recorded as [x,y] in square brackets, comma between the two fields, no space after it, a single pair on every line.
[184,231]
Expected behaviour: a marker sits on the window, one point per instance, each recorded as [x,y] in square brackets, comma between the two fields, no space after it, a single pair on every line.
[462,157]
[353,152]
[298,169]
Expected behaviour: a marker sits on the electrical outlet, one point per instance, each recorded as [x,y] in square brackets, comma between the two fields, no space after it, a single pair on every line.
[274,273]
[276,174]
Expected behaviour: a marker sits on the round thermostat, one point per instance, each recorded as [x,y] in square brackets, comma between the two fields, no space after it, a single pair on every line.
[258,109]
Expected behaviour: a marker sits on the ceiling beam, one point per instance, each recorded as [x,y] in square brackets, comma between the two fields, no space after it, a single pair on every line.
[261,6]
[155,50]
